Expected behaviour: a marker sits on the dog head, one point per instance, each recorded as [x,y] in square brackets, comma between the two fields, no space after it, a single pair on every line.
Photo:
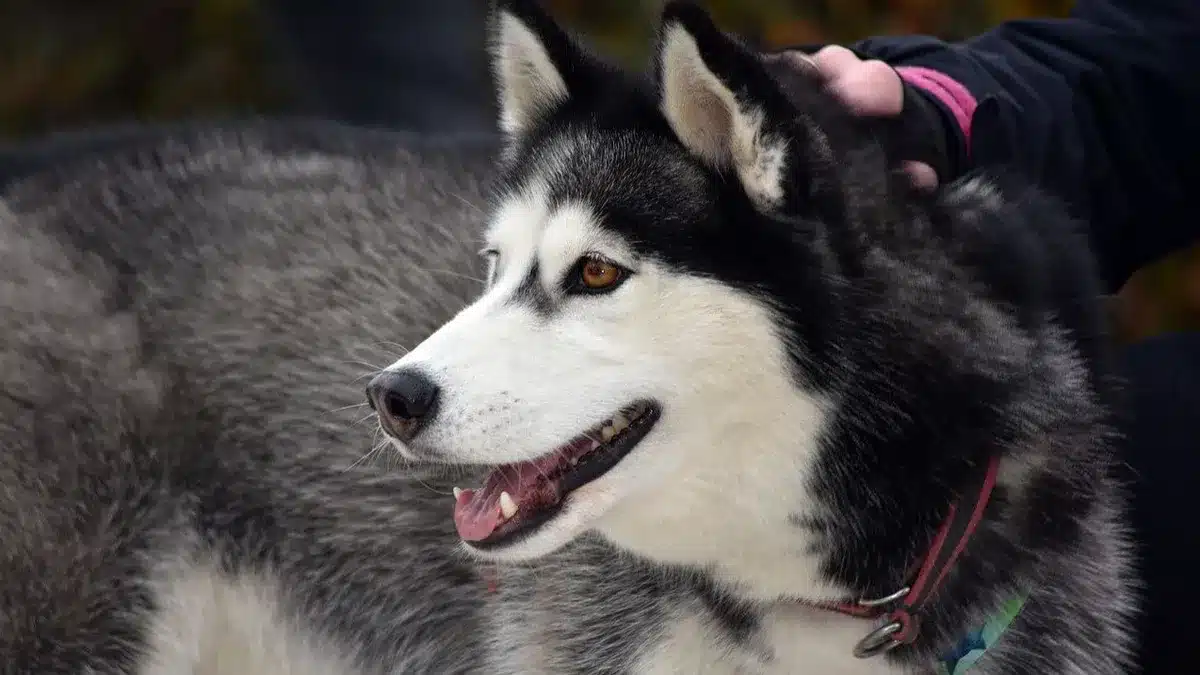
[653,357]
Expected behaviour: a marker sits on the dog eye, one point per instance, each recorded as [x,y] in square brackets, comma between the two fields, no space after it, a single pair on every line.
[596,275]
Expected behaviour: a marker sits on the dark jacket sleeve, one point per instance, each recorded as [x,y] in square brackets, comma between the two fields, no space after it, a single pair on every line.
[1101,108]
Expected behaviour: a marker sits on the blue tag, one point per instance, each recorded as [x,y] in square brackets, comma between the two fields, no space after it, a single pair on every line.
[971,648]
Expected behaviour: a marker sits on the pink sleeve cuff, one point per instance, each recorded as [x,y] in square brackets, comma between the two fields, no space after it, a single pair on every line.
[950,93]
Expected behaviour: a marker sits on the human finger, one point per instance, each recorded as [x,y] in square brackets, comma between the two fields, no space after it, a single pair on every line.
[923,176]
[870,88]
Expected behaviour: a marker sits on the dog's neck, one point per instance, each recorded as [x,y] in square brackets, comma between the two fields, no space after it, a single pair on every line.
[760,551]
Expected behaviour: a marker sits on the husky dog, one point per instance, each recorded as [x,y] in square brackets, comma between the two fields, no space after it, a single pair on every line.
[733,396]
[737,386]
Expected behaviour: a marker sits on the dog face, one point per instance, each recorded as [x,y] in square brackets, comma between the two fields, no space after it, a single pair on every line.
[649,357]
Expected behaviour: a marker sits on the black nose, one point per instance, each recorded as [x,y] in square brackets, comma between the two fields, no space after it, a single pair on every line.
[404,399]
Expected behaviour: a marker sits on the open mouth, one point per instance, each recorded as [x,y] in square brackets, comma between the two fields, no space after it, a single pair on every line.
[516,499]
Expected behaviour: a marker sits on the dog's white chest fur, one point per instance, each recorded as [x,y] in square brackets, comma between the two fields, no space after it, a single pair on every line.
[211,623]
[789,641]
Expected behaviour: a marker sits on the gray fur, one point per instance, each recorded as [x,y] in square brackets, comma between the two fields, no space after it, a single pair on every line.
[189,387]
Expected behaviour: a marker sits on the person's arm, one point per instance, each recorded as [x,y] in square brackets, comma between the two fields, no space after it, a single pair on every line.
[1102,108]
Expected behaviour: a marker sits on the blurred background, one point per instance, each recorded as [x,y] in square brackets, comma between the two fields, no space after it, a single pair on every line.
[71,63]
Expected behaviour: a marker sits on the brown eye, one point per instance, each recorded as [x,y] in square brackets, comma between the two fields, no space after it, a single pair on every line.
[594,275]
[598,275]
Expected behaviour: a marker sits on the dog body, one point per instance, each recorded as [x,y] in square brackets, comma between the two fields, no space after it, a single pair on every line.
[188,317]
[726,367]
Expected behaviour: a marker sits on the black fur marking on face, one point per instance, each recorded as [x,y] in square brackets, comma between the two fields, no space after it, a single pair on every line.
[533,294]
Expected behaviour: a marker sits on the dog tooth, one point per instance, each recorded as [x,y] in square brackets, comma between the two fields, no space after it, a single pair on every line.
[620,422]
[508,508]
[607,433]
[457,492]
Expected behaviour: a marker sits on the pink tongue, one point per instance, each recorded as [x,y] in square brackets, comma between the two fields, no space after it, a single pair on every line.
[477,512]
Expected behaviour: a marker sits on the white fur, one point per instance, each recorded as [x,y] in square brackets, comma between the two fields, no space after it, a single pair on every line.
[528,82]
[709,119]
[717,480]
[210,623]
[793,639]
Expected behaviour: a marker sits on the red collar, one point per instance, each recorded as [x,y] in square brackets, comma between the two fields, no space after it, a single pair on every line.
[904,607]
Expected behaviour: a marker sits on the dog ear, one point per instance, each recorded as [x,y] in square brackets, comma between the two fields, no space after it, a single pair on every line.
[533,61]
[725,107]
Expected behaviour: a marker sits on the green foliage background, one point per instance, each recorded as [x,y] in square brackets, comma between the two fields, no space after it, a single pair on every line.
[67,62]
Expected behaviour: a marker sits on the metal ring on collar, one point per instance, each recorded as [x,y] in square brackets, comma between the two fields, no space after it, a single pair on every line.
[878,641]
[886,600]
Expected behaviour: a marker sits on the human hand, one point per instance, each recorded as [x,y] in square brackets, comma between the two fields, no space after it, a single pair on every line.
[868,88]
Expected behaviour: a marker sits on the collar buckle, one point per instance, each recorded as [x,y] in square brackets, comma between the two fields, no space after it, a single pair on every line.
[882,639]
